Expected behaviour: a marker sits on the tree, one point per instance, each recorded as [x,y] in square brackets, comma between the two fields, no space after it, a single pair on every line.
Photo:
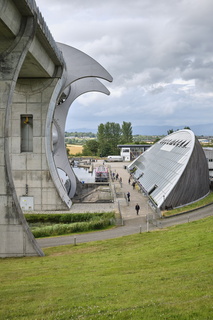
[115,136]
[90,148]
[108,136]
[156,140]
[126,132]
[170,131]
[68,151]
[100,139]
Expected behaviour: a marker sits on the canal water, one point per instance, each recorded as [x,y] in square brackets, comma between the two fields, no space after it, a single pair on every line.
[83,175]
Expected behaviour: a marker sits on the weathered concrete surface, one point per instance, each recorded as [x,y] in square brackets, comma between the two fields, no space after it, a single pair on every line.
[31,169]
[20,57]
[34,80]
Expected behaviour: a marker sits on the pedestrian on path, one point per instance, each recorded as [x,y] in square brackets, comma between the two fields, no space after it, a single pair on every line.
[133,185]
[128,196]
[137,208]
[120,180]
[129,180]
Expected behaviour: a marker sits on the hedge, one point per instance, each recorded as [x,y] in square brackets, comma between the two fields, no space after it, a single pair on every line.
[60,229]
[66,217]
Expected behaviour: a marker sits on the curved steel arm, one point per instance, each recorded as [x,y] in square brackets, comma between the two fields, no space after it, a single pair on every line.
[80,65]
[61,111]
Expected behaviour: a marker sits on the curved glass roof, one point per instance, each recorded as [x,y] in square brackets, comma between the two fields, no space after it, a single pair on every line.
[159,168]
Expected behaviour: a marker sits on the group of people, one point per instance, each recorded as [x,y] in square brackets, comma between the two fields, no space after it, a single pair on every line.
[137,207]
[116,177]
[133,183]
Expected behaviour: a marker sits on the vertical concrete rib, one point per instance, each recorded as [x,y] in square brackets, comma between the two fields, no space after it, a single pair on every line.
[27,86]
[16,238]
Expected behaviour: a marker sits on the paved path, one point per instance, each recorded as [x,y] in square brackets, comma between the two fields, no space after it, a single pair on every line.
[132,223]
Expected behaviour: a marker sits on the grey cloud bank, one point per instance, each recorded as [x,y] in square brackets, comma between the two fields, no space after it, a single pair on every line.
[158,52]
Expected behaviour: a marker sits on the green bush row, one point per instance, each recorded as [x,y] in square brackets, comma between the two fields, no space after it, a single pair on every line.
[60,229]
[66,217]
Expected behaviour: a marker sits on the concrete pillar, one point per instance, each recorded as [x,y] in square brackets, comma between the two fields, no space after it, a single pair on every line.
[30,170]
[15,237]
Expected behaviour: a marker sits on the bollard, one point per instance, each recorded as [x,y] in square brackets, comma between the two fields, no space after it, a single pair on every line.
[74,241]
[140,228]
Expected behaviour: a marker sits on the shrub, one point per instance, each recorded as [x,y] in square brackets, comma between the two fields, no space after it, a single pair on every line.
[66,217]
[97,223]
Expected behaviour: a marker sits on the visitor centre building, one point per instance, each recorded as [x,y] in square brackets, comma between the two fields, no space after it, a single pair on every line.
[173,172]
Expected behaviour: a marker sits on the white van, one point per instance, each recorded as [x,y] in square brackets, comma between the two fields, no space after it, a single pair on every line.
[114,158]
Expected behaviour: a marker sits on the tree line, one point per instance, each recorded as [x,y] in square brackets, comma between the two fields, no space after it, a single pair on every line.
[76,134]
[109,135]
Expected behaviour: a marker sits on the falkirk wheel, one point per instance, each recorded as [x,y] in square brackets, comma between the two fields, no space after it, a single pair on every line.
[39,80]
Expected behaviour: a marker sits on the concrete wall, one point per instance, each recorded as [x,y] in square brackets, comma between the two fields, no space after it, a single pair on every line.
[32,79]
[22,90]
[30,169]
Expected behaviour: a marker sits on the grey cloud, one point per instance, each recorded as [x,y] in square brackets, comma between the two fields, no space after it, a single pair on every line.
[146,45]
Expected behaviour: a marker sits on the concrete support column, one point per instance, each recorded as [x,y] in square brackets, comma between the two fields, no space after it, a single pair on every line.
[15,237]
[31,171]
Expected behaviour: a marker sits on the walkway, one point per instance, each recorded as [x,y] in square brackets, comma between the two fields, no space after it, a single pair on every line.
[132,223]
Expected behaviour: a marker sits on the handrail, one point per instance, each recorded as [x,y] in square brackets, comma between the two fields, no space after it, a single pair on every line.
[44,28]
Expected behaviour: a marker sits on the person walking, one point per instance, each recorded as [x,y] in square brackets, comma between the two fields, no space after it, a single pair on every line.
[137,208]
[128,196]
[120,180]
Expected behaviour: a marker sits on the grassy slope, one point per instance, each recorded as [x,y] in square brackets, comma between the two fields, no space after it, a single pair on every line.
[159,275]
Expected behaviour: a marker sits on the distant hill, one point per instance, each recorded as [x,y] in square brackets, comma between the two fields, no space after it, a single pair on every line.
[82,130]
[199,130]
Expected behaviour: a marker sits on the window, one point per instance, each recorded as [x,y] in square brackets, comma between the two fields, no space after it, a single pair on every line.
[141,175]
[26,133]
[152,189]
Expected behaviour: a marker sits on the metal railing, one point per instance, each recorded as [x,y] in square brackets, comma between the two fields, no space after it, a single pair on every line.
[44,28]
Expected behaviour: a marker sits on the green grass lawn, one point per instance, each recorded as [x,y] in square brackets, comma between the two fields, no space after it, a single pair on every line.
[166,274]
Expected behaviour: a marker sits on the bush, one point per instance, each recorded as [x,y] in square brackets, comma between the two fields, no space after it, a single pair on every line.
[66,217]
[68,223]
[60,229]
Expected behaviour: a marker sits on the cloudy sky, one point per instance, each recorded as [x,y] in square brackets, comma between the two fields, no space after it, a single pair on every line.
[159,53]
